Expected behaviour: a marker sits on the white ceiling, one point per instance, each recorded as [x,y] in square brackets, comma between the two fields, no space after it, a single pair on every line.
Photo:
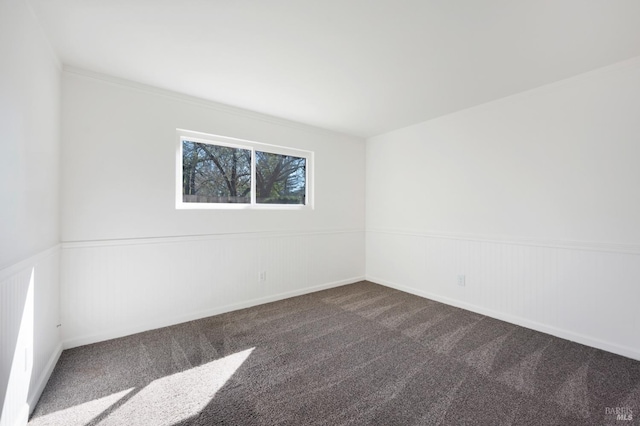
[362,67]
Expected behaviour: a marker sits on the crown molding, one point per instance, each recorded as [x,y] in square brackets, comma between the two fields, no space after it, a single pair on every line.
[204,103]
[45,38]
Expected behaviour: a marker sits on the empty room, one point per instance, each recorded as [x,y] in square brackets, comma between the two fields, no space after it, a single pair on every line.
[290,212]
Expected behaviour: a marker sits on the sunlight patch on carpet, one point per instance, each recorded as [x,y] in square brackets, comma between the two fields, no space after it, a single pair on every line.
[175,398]
[81,414]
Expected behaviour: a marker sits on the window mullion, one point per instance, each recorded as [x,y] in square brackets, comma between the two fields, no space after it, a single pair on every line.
[253,177]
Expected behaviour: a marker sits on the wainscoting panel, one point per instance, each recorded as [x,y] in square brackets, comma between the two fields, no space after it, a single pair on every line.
[30,338]
[115,288]
[586,293]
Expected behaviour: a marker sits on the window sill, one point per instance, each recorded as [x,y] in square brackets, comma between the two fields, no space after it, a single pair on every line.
[221,206]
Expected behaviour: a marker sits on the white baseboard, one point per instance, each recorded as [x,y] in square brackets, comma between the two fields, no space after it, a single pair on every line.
[44,378]
[523,322]
[113,334]
[23,416]
[27,408]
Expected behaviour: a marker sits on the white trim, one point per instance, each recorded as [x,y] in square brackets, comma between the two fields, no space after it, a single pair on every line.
[205,103]
[239,206]
[203,237]
[517,320]
[253,179]
[23,416]
[216,140]
[44,378]
[237,142]
[165,322]
[525,241]
[27,262]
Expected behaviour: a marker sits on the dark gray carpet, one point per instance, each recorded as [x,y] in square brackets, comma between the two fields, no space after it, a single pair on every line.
[354,355]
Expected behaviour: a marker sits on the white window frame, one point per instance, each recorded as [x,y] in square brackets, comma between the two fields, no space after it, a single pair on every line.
[253,146]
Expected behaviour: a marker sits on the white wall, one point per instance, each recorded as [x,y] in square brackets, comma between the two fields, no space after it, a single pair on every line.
[29,136]
[533,197]
[119,165]
[129,259]
[29,210]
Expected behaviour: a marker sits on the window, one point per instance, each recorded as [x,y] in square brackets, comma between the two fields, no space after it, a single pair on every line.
[215,174]
[280,179]
[220,172]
